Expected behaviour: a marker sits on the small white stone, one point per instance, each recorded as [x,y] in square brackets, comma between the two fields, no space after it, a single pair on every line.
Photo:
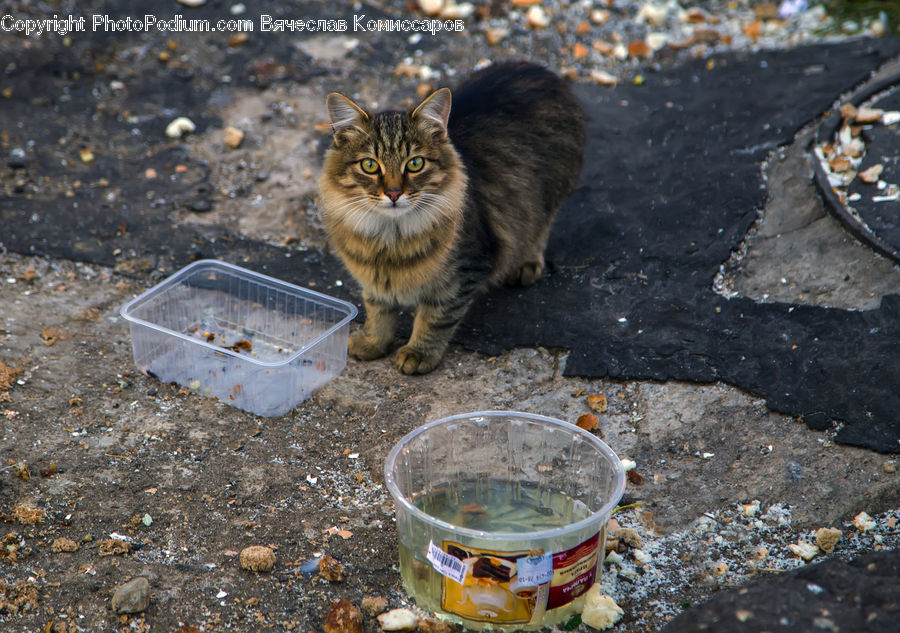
[537,17]
[453,11]
[431,7]
[652,14]
[628,464]
[233,137]
[603,78]
[656,40]
[600,16]
[399,620]
[179,127]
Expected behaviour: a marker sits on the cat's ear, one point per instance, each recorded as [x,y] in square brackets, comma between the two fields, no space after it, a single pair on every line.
[347,118]
[433,113]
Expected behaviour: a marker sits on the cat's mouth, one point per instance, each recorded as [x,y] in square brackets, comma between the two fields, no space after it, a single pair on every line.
[395,208]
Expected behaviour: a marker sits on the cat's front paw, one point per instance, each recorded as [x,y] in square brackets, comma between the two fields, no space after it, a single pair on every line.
[415,361]
[366,347]
[527,275]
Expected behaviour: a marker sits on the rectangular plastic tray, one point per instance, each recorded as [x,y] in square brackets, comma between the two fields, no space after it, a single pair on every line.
[251,341]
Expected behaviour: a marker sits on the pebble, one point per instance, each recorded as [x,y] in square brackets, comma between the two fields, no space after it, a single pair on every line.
[653,15]
[233,137]
[600,16]
[537,17]
[399,620]
[453,11]
[600,610]
[132,597]
[180,126]
[431,7]
[889,467]
[257,558]
[373,605]
[603,78]
[495,35]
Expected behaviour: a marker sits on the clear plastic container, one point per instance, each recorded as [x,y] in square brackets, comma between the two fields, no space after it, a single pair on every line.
[502,517]
[251,341]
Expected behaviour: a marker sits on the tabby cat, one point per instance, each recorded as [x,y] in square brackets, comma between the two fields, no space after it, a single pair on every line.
[429,207]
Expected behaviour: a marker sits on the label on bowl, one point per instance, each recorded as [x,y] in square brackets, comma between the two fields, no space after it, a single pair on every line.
[512,587]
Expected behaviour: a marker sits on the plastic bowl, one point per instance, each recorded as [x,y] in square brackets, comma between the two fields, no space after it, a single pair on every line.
[502,516]
[251,341]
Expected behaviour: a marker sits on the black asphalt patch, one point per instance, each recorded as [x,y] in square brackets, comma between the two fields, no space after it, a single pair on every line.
[858,595]
[671,185]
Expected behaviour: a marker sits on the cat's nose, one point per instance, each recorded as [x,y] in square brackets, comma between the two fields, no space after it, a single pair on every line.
[393,194]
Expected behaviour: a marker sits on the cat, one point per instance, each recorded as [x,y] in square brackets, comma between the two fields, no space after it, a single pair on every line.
[431,206]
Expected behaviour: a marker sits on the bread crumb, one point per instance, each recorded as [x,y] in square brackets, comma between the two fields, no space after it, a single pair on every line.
[827,538]
[600,611]
[257,558]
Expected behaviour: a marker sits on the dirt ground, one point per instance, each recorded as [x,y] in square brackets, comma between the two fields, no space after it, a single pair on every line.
[147,479]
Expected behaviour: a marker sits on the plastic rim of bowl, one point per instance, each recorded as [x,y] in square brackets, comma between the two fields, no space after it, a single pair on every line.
[602,447]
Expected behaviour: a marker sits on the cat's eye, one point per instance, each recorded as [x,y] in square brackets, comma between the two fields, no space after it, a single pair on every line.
[415,164]
[369,165]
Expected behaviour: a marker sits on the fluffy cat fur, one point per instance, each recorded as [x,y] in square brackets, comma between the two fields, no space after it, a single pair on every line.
[429,207]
